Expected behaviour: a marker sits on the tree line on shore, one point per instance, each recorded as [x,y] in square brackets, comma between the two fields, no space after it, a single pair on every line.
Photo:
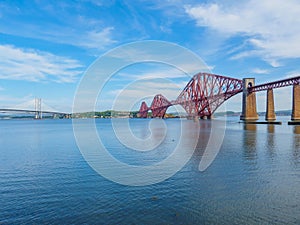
[116,114]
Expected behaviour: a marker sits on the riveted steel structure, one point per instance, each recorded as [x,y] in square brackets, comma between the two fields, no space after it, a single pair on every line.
[294,81]
[143,112]
[202,95]
[276,84]
[159,106]
[205,92]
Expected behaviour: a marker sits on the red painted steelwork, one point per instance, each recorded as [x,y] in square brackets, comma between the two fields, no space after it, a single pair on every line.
[143,110]
[275,84]
[159,106]
[205,92]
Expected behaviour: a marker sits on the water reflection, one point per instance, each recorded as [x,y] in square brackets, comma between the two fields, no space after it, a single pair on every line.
[271,128]
[296,151]
[270,144]
[296,129]
[205,129]
[235,190]
[250,127]
[249,141]
[204,134]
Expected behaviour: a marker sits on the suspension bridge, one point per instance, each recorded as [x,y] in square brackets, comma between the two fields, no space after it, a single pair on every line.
[36,107]
[205,92]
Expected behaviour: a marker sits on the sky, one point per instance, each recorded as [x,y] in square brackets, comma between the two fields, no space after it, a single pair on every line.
[46,47]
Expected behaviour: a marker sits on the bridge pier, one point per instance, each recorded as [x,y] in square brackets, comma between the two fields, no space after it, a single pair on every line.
[38,115]
[296,102]
[249,111]
[270,112]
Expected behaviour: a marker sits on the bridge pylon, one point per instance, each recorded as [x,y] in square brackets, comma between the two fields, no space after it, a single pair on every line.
[38,108]
[249,111]
[296,102]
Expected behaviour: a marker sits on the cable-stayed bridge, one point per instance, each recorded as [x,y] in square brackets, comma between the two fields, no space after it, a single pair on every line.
[37,107]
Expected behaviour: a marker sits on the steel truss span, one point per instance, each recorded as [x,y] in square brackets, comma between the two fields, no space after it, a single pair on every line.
[143,113]
[275,84]
[202,95]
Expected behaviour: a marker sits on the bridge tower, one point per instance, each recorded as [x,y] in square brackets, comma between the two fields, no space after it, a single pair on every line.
[270,114]
[38,108]
[249,111]
[296,102]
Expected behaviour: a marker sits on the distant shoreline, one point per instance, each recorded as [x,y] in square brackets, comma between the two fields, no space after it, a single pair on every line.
[126,114]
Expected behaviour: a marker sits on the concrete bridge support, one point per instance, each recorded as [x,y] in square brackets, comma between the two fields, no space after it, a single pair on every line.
[270,114]
[249,111]
[296,102]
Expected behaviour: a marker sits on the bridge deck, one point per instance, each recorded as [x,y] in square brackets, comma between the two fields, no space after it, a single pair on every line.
[32,111]
[275,84]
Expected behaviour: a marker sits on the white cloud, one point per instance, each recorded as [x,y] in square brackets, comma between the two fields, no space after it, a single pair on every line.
[168,72]
[292,74]
[260,71]
[97,39]
[272,27]
[151,87]
[134,93]
[7,101]
[32,65]
[165,73]
[64,25]
[161,52]
[244,54]
[94,39]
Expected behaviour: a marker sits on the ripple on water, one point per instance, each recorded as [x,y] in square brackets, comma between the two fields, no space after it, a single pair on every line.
[254,179]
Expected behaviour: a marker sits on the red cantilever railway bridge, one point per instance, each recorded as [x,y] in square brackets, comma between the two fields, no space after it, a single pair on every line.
[205,92]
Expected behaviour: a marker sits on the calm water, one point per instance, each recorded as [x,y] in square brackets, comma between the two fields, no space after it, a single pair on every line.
[255,178]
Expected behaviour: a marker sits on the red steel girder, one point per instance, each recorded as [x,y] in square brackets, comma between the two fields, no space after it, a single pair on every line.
[143,112]
[275,84]
[205,92]
[159,106]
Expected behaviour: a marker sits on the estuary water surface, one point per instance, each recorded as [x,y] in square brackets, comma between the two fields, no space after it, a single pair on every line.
[255,178]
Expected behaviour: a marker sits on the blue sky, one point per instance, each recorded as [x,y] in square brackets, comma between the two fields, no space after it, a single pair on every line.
[46,46]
